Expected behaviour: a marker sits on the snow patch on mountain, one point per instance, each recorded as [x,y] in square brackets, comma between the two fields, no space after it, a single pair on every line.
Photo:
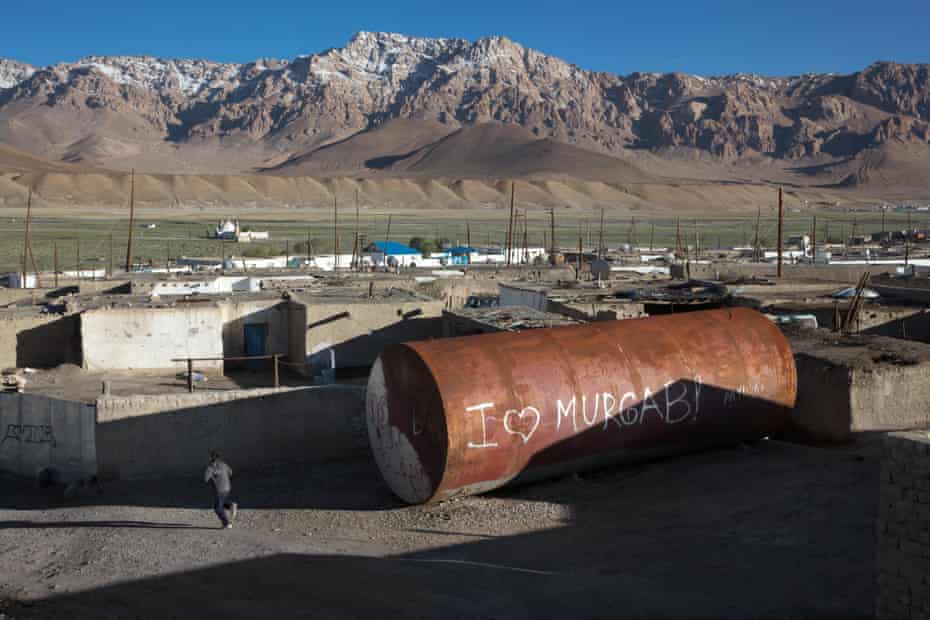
[13,72]
[189,77]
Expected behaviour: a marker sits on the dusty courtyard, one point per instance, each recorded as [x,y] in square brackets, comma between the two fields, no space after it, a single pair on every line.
[769,530]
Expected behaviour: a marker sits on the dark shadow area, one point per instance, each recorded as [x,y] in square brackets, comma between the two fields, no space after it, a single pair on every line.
[816,169]
[386,161]
[342,485]
[50,344]
[763,529]
[361,351]
[42,525]
[328,586]
[913,327]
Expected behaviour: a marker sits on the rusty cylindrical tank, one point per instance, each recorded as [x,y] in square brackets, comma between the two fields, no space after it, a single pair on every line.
[467,415]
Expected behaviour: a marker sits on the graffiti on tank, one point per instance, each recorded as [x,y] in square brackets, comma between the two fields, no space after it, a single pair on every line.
[674,403]
[741,392]
[29,433]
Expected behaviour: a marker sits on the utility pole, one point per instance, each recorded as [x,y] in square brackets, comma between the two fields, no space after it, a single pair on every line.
[526,241]
[132,217]
[907,241]
[780,225]
[335,232]
[697,241]
[55,261]
[468,237]
[168,255]
[357,252]
[883,222]
[77,256]
[110,261]
[387,235]
[510,224]
[632,232]
[814,241]
[552,236]
[756,252]
[26,238]
[580,252]
[652,235]
[678,248]
[600,240]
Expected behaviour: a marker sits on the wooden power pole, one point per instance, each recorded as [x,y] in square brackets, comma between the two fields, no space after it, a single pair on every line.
[814,241]
[510,224]
[26,242]
[132,218]
[335,232]
[781,218]
[552,236]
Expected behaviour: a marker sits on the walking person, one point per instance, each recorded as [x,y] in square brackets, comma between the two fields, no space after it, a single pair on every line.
[218,473]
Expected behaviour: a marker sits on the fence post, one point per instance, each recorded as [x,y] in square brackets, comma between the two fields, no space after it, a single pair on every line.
[277,382]
[190,375]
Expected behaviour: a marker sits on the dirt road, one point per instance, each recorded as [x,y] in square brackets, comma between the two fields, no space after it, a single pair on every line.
[771,530]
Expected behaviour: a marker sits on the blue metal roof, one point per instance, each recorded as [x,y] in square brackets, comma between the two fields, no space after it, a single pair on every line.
[393,247]
[462,249]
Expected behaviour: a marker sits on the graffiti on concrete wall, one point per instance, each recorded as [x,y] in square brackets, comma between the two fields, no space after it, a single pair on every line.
[29,433]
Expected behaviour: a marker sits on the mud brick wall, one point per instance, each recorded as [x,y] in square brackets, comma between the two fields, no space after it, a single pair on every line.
[904,527]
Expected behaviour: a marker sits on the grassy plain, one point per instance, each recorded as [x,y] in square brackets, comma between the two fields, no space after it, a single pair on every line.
[97,236]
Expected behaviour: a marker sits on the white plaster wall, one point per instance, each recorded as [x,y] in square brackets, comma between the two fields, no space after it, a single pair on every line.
[149,338]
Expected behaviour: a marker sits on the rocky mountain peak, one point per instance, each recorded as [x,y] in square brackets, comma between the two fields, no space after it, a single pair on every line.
[13,72]
[274,109]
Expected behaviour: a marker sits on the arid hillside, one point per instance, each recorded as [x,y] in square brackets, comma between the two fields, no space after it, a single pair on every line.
[424,113]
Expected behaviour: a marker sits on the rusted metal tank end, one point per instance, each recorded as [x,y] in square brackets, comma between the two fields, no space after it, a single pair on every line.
[406,424]
[467,415]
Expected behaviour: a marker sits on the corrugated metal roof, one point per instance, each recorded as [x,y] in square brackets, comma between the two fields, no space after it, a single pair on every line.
[392,247]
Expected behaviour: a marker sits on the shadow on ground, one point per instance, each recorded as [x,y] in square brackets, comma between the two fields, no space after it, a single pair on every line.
[771,530]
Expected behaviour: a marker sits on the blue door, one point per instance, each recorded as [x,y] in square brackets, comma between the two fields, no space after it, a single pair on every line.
[254,337]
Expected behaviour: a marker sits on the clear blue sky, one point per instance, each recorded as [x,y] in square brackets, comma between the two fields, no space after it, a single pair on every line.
[774,37]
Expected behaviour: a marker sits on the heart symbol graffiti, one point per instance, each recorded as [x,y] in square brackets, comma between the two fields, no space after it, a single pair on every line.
[531,412]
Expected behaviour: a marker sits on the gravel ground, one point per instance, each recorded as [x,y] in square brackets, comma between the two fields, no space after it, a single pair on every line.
[770,531]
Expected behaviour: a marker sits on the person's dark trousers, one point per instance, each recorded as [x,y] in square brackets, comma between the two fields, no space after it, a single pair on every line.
[220,504]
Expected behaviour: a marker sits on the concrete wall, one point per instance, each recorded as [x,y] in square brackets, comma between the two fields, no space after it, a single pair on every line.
[915,326]
[40,432]
[516,296]
[596,310]
[859,383]
[829,273]
[358,332]
[143,436]
[297,341]
[237,313]
[148,338]
[453,292]
[39,340]
[904,527]
[874,319]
